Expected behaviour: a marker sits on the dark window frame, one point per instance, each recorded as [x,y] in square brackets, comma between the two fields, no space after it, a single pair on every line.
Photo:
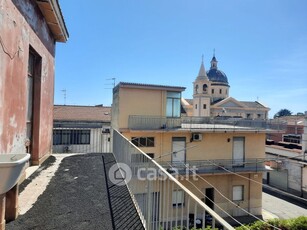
[71,137]
[143,141]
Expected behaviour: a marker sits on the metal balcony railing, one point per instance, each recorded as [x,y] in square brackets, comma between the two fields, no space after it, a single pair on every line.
[216,166]
[162,201]
[138,122]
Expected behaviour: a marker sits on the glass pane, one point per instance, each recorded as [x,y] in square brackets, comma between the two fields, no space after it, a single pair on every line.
[150,142]
[173,94]
[65,137]
[142,141]
[135,141]
[57,137]
[169,107]
[176,108]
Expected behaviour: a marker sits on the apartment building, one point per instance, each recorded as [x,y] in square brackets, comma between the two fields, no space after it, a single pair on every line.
[29,32]
[289,157]
[227,153]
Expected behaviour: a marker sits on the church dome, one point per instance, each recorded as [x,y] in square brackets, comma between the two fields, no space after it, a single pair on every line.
[217,76]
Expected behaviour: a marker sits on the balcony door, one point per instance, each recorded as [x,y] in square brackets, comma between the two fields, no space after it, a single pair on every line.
[178,150]
[238,151]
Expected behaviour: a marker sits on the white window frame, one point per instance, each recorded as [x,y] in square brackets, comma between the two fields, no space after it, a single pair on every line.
[178,198]
[238,192]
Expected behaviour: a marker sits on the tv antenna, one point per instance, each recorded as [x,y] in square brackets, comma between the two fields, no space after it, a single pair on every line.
[64,94]
[113,83]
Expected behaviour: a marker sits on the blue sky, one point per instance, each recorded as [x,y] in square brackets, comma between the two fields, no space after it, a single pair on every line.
[261,45]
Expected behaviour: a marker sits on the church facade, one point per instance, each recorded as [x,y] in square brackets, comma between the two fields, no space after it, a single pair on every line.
[211,98]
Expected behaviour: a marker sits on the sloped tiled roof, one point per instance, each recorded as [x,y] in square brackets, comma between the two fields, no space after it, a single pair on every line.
[141,85]
[81,113]
[252,104]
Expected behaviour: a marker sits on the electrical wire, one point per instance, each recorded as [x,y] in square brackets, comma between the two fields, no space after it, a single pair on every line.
[224,195]
[212,201]
[231,200]
[264,185]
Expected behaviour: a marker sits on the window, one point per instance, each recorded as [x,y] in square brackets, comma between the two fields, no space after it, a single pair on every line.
[195,106]
[71,137]
[143,141]
[196,89]
[151,155]
[259,115]
[205,106]
[220,91]
[205,88]
[173,104]
[212,91]
[292,138]
[178,198]
[237,193]
[248,115]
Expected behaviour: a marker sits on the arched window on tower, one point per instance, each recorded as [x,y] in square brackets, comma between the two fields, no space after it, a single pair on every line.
[196,89]
[205,87]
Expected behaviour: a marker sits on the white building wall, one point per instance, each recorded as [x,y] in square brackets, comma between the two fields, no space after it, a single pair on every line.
[294,175]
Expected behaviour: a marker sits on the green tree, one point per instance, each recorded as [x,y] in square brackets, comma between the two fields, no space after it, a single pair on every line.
[283,112]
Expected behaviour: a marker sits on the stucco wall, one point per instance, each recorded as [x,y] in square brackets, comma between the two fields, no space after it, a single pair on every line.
[212,146]
[22,26]
[252,194]
[140,102]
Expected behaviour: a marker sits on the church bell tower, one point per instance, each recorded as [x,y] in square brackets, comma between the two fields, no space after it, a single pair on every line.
[201,93]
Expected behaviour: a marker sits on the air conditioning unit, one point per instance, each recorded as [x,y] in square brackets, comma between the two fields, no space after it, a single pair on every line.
[197,137]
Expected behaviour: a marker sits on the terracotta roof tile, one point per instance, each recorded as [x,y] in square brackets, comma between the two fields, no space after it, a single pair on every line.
[81,113]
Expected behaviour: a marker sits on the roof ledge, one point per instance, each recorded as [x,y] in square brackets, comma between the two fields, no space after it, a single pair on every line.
[54,18]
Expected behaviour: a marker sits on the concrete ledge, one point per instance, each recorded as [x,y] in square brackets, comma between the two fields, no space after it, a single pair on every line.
[41,160]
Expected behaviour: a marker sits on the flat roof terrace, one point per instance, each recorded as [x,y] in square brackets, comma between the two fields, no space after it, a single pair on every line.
[78,196]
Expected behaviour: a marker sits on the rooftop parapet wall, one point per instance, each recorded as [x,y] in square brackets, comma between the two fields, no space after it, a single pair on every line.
[137,122]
